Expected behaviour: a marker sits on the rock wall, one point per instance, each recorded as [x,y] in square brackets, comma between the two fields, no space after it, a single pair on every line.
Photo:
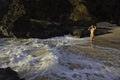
[15,16]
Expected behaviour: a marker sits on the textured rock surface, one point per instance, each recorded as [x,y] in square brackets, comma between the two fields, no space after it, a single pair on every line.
[15,16]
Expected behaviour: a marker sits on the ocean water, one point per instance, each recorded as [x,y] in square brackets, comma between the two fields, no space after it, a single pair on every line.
[53,59]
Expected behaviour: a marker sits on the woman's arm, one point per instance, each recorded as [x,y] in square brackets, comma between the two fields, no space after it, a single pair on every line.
[95,27]
[90,27]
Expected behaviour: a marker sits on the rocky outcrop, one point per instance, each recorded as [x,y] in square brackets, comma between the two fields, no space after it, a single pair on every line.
[16,16]
[14,10]
[79,12]
[8,74]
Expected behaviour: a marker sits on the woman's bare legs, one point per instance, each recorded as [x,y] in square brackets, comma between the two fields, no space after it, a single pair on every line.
[91,39]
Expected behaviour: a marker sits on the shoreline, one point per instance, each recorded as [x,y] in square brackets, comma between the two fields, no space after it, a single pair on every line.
[111,40]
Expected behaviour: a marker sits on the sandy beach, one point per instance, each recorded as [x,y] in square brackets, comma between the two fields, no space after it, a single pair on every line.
[109,40]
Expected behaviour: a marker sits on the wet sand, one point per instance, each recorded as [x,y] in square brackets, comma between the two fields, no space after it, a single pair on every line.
[110,39]
[106,47]
[112,42]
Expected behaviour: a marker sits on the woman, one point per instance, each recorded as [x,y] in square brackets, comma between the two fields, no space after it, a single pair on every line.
[92,28]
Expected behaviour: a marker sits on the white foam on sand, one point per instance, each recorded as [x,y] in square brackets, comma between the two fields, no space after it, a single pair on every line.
[33,58]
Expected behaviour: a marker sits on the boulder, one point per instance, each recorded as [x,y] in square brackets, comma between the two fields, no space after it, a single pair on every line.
[8,74]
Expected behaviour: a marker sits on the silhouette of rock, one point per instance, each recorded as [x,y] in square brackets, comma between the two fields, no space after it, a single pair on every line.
[8,74]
